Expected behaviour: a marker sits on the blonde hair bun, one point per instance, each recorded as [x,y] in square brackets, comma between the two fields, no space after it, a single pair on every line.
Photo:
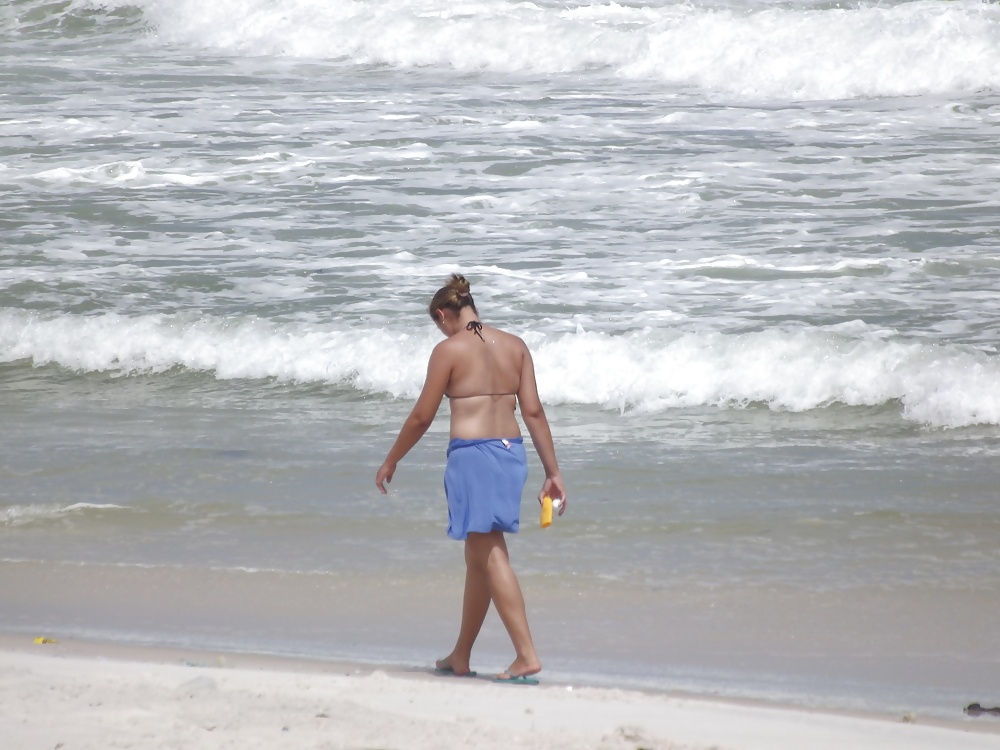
[459,283]
[454,295]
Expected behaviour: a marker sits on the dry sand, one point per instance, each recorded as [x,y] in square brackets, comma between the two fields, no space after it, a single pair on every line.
[76,696]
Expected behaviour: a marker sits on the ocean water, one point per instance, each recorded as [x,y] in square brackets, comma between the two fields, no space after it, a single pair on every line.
[754,247]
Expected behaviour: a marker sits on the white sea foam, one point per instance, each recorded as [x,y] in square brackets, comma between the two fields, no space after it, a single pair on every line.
[926,46]
[135,175]
[18,515]
[115,172]
[387,361]
[795,370]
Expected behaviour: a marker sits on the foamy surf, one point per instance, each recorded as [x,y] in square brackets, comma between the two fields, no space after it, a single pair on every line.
[796,369]
[757,53]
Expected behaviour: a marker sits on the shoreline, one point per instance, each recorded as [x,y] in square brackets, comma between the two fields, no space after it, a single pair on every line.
[121,677]
[871,651]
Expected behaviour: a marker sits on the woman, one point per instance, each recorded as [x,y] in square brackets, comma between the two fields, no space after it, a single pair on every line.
[485,373]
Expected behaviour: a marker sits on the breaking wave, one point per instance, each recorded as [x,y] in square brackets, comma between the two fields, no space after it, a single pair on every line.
[792,51]
[799,369]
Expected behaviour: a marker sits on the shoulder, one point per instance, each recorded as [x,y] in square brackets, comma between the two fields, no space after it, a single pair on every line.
[514,345]
[518,343]
[450,349]
[443,349]
[508,338]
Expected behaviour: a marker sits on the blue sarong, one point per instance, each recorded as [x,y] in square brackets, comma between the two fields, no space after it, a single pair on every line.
[483,482]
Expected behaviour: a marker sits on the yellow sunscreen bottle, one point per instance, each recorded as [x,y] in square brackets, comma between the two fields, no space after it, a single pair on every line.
[546,512]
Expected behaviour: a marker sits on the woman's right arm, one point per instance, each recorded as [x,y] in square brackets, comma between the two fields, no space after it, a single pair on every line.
[438,374]
[538,427]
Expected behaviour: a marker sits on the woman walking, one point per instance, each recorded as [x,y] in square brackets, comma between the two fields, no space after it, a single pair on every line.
[485,373]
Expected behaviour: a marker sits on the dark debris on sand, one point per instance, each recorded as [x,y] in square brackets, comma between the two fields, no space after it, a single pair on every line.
[974,709]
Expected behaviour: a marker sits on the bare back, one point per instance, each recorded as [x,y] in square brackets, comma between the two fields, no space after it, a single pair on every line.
[486,376]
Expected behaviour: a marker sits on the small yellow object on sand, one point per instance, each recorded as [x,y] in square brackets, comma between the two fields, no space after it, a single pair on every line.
[43,639]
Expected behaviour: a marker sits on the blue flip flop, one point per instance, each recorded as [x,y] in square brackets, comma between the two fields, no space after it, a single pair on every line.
[450,672]
[521,679]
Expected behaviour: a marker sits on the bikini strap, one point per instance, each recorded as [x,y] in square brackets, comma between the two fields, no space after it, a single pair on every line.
[477,395]
[475,326]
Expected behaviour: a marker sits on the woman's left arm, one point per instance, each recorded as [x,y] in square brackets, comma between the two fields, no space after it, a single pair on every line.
[438,374]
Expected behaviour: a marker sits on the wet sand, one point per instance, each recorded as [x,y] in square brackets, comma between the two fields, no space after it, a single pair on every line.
[871,650]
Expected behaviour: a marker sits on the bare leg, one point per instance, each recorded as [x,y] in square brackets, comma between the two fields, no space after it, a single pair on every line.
[489,577]
[507,598]
[475,605]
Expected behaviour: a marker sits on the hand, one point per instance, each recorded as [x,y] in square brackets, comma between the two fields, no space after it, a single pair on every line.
[385,472]
[554,488]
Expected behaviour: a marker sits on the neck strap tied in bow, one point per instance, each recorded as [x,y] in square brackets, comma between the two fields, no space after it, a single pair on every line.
[475,326]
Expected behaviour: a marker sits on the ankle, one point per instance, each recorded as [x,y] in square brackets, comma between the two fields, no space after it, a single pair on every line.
[527,664]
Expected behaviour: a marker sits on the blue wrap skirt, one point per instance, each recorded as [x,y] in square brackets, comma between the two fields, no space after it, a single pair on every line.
[483,482]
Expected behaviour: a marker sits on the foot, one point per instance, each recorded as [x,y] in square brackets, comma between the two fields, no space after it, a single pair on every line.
[520,668]
[451,665]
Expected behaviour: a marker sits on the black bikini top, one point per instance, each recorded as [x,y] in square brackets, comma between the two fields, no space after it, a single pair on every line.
[476,327]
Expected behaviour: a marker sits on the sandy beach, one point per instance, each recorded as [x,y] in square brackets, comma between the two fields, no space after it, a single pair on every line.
[79,695]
